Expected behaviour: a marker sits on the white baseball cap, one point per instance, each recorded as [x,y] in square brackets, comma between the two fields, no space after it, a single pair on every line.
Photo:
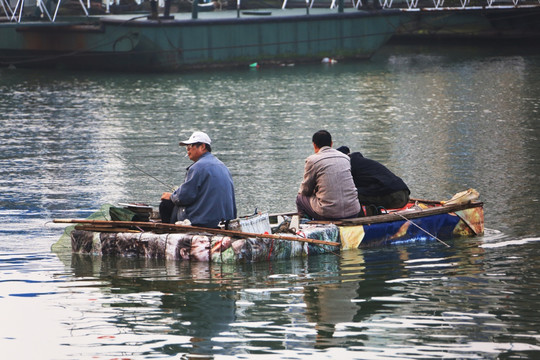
[197,137]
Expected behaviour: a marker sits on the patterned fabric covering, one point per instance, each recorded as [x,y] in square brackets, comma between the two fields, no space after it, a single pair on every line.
[216,248]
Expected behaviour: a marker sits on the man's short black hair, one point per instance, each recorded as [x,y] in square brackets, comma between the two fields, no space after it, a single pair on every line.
[344,149]
[322,138]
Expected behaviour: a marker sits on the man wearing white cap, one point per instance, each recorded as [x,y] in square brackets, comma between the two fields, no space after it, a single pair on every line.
[207,195]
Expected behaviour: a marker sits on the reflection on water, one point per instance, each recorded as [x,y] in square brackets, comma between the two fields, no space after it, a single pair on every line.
[443,120]
[424,299]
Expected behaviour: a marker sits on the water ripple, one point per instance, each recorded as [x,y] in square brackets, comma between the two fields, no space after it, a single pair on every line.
[444,120]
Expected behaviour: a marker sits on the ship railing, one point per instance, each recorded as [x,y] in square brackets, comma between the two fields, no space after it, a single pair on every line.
[16,13]
[7,8]
[439,4]
[108,3]
[333,4]
[80,2]
[424,4]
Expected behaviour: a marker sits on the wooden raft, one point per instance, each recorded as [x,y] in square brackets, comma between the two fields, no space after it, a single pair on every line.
[137,226]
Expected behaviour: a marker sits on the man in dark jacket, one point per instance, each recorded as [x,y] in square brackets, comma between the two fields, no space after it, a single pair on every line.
[377,186]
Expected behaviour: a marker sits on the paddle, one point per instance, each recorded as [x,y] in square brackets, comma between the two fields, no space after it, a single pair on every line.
[114,226]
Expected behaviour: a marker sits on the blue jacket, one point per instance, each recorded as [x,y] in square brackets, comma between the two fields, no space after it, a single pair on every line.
[207,195]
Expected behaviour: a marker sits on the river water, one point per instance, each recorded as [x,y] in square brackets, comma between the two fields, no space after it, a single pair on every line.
[444,118]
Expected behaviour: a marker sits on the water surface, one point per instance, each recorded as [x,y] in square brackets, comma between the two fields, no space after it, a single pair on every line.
[444,119]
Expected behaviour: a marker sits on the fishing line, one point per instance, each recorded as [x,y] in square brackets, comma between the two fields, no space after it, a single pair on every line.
[433,236]
[147,174]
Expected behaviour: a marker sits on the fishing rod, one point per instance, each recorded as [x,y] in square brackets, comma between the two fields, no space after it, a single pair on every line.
[147,174]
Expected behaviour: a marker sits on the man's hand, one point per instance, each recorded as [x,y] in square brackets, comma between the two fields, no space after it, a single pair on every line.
[166,196]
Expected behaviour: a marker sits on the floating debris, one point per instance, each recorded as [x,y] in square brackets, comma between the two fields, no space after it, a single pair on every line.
[329,61]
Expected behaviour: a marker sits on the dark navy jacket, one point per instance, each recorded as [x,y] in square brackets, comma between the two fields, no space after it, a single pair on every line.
[207,195]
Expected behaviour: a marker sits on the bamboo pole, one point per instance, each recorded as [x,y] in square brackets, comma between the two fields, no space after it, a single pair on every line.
[394,216]
[115,225]
[105,229]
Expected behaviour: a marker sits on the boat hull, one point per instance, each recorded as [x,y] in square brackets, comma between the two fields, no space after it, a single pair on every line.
[140,44]
[461,223]
[429,224]
[495,23]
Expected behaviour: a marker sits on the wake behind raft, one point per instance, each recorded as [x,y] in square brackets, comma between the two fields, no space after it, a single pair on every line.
[112,231]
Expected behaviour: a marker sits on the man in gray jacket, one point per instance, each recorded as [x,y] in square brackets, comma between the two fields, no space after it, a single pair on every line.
[327,191]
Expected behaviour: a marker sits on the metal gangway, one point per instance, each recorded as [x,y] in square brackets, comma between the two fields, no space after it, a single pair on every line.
[439,4]
[13,9]
[414,4]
